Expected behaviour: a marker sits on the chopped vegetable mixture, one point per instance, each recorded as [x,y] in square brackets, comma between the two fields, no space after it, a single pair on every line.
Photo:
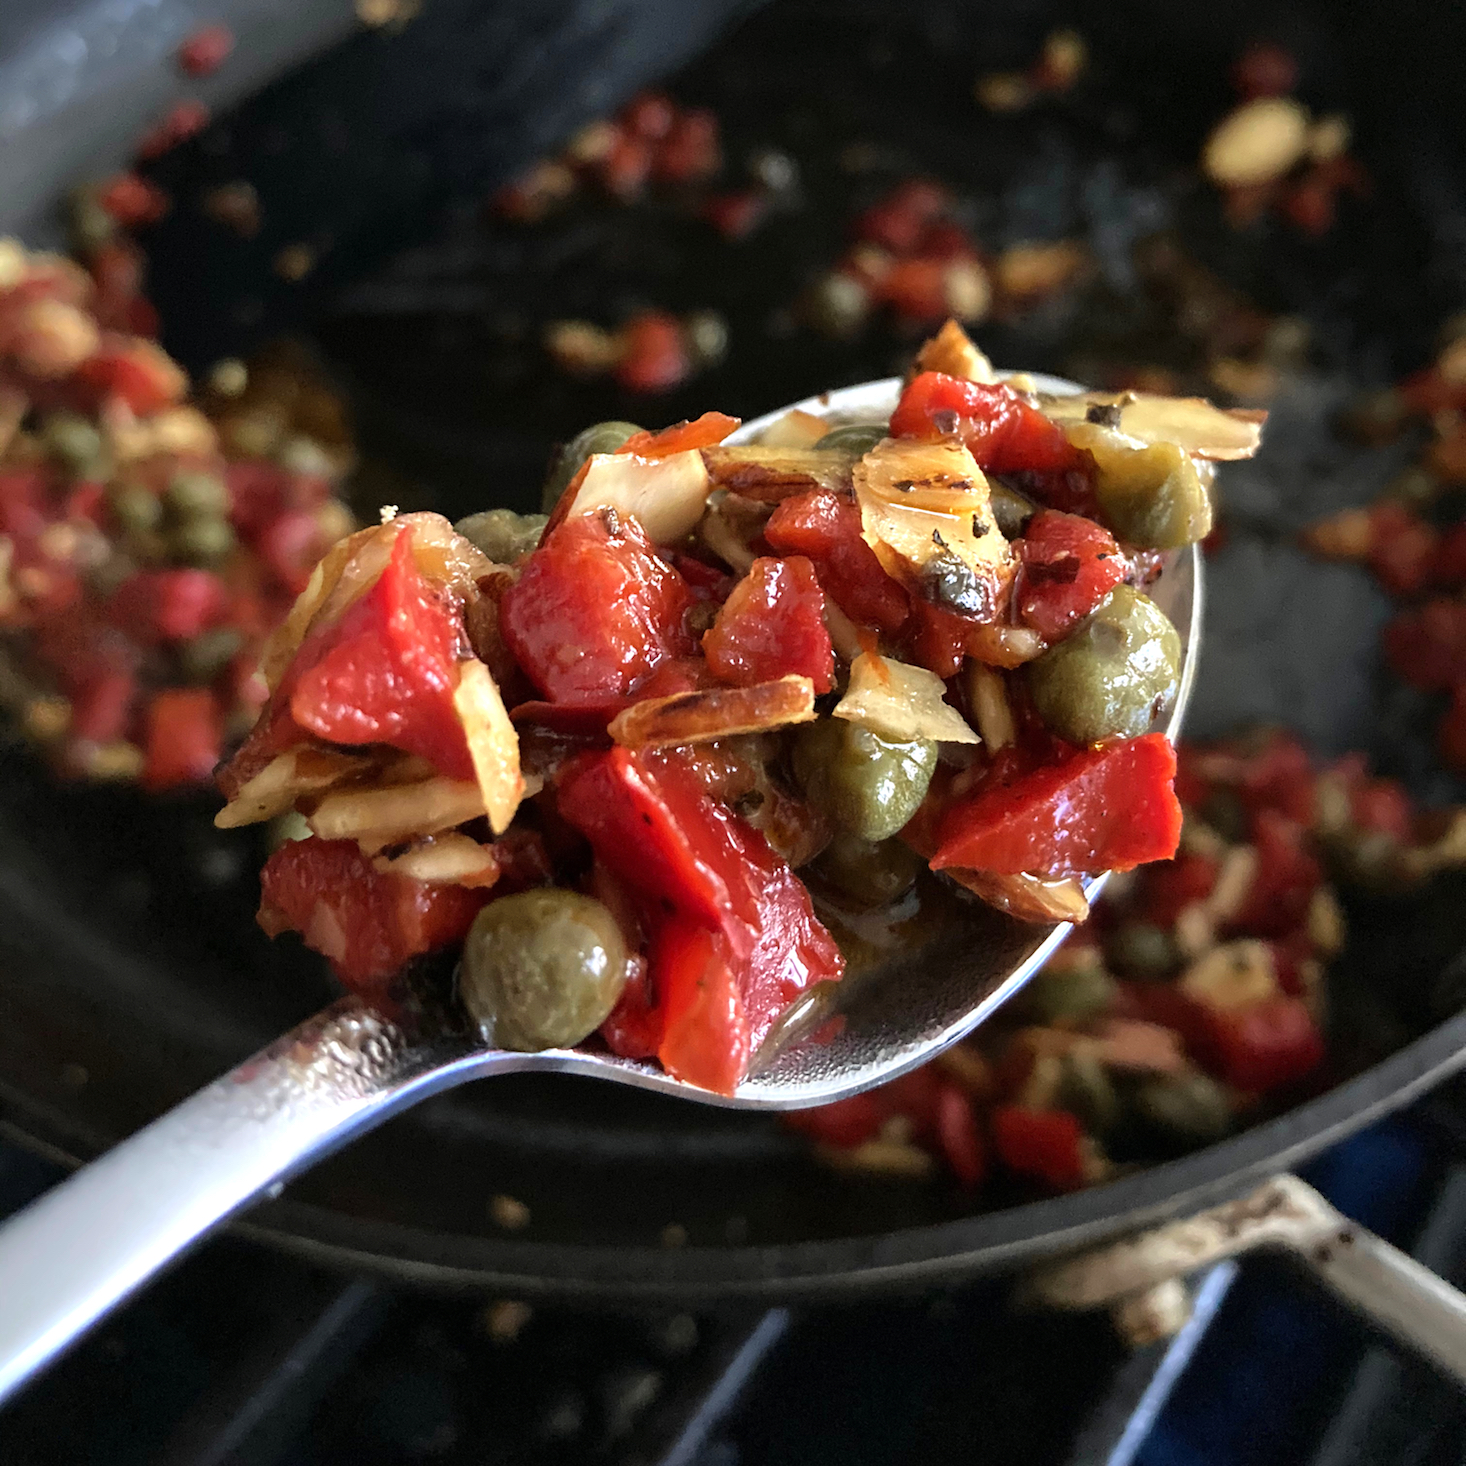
[594,747]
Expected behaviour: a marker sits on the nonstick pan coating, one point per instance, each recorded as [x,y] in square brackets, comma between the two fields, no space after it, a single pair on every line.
[130,971]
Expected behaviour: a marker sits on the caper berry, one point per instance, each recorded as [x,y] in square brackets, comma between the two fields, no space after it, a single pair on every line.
[201,541]
[203,658]
[856,439]
[871,872]
[135,507]
[1155,496]
[1113,676]
[868,786]
[542,969]
[71,438]
[1142,949]
[1066,991]
[1011,509]
[502,534]
[1088,1092]
[1185,1109]
[193,495]
[601,437]
[948,581]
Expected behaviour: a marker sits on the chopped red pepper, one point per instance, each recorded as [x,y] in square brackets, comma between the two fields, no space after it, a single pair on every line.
[183,738]
[1280,777]
[1044,1144]
[594,610]
[1170,886]
[772,625]
[937,639]
[1287,876]
[845,1123]
[900,221]
[203,51]
[1427,647]
[1403,548]
[737,214]
[1269,1044]
[706,431]
[169,605]
[826,528]
[137,371]
[654,354]
[700,869]
[1451,736]
[1070,564]
[1108,808]
[959,1137]
[650,115]
[386,671]
[132,201]
[690,151]
[1003,433]
[369,924]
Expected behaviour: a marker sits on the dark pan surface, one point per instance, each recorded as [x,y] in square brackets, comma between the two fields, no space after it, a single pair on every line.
[130,970]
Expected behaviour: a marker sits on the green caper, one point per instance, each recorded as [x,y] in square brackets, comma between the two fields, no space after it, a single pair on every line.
[203,658]
[542,969]
[502,534]
[873,872]
[1066,992]
[1185,1109]
[71,438]
[856,439]
[1142,949]
[868,786]
[135,507]
[1088,1092]
[1113,676]
[194,495]
[1155,496]
[1011,509]
[201,541]
[600,437]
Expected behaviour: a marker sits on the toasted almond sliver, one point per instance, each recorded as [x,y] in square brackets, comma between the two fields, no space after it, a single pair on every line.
[901,702]
[770,474]
[795,429]
[1029,898]
[283,780]
[722,712]
[493,744]
[447,859]
[1191,423]
[379,817]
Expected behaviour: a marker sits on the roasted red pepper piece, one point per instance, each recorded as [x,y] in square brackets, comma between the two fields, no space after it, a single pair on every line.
[1269,1044]
[826,528]
[846,1123]
[156,606]
[959,1137]
[772,625]
[1287,876]
[183,737]
[937,639]
[368,924]
[649,822]
[1003,433]
[594,610]
[1044,1144]
[1280,777]
[1070,564]
[1107,808]
[387,670]
[1169,886]
[654,355]
[705,1033]
[734,937]
[1427,647]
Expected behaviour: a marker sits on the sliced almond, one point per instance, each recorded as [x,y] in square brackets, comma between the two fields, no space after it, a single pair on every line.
[795,429]
[1028,897]
[770,474]
[666,496]
[380,817]
[285,779]
[900,702]
[721,712]
[1190,423]
[951,351]
[448,859]
[493,744]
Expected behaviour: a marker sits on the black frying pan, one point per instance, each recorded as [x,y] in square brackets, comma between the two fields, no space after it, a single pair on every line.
[130,971]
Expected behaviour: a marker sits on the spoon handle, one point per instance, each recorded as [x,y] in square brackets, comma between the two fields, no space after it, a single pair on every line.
[75,1253]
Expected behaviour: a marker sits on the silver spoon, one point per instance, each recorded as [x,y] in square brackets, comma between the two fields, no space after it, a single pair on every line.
[73,1255]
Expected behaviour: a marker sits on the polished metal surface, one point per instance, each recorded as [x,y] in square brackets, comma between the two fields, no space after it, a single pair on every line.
[85,1246]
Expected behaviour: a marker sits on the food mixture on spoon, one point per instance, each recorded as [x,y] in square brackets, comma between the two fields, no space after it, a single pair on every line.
[598,752]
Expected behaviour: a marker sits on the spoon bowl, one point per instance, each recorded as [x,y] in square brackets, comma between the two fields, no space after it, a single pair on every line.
[85,1246]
